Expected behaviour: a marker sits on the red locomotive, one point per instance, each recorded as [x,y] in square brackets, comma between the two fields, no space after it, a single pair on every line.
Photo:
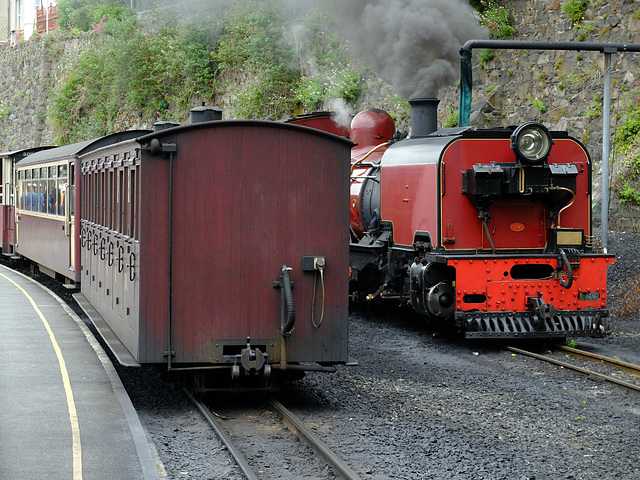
[489,230]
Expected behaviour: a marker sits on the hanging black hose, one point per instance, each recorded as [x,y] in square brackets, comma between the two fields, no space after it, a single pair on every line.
[485,216]
[564,260]
[287,305]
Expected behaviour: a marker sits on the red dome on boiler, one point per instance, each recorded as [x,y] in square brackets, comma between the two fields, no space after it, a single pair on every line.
[372,127]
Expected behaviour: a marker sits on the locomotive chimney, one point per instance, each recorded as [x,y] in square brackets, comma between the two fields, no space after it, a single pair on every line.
[205,114]
[424,116]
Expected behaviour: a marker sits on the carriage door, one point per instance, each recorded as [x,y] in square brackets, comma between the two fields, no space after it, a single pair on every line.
[67,194]
[7,214]
[4,204]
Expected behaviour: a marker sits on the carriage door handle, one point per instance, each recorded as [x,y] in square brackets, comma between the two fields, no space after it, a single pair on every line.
[120,258]
[132,266]
[110,254]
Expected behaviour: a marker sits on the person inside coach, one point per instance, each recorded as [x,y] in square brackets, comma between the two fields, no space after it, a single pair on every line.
[27,199]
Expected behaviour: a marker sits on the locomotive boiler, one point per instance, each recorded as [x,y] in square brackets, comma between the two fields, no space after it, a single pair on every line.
[485,229]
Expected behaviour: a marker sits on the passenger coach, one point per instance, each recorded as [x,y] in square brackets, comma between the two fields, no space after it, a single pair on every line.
[219,245]
[7,192]
[46,205]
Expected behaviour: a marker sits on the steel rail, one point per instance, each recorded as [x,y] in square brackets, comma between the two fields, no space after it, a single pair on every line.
[339,467]
[629,367]
[622,383]
[233,450]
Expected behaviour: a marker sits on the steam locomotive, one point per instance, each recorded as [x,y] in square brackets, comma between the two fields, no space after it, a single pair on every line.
[488,230]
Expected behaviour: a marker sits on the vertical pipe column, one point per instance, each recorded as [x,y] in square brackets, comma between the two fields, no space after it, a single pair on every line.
[606,113]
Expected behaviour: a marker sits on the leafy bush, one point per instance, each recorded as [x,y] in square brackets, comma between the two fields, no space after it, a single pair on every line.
[495,17]
[627,134]
[125,71]
[291,68]
[575,9]
[251,41]
[82,14]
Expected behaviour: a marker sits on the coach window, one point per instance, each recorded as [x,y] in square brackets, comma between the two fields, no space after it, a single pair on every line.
[119,200]
[110,201]
[62,188]
[72,189]
[52,201]
[90,196]
[43,194]
[126,214]
[28,195]
[134,202]
[19,191]
[35,194]
[101,195]
[94,197]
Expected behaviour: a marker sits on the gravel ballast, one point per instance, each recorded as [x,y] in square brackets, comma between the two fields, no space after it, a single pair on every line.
[425,405]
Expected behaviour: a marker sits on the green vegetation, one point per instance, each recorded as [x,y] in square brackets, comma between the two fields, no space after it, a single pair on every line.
[626,143]
[594,109]
[159,67]
[285,80]
[536,102]
[83,14]
[485,56]
[126,71]
[575,9]
[451,118]
[261,64]
[583,30]
[495,17]
[250,42]
[4,111]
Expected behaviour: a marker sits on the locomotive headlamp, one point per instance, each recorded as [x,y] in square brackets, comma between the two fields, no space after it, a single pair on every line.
[531,142]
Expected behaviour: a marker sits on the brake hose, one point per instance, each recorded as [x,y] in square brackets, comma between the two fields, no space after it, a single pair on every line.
[564,259]
[287,325]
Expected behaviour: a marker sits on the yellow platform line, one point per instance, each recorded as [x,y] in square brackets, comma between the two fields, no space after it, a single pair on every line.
[71,404]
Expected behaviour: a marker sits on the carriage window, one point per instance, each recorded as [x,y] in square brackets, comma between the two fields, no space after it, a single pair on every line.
[134,203]
[43,190]
[94,197]
[35,195]
[126,213]
[101,203]
[118,201]
[26,191]
[19,189]
[61,185]
[52,200]
[109,222]
[85,190]
[72,189]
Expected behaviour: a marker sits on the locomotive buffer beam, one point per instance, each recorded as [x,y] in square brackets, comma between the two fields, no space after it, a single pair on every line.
[542,322]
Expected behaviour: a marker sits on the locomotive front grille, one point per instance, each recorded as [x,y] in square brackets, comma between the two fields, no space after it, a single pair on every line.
[519,325]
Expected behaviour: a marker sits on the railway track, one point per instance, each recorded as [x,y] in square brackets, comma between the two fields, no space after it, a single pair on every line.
[612,362]
[250,465]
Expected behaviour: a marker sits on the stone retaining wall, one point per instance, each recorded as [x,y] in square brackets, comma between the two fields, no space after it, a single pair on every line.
[561,89]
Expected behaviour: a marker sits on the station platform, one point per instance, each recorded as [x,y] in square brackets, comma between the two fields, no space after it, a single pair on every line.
[64,413]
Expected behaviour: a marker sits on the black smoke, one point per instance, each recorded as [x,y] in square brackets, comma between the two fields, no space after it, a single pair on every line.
[414,44]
